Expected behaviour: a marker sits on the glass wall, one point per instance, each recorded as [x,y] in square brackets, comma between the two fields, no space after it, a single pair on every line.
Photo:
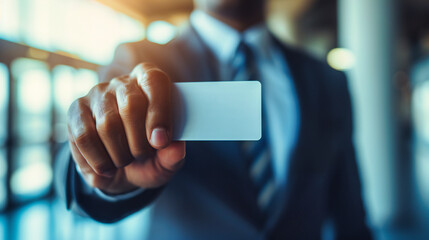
[420,111]
[53,25]
[4,95]
[42,97]
[42,89]
[68,84]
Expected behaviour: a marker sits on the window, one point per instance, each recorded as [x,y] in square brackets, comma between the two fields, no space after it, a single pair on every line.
[32,115]
[32,172]
[53,26]
[44,82]
[3,169]
[68,84]
[420,105]
[4,95]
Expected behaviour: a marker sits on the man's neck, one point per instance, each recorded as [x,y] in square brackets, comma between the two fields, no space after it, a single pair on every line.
[239,24]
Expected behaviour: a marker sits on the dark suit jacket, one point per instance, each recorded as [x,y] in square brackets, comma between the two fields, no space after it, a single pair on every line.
[212,197]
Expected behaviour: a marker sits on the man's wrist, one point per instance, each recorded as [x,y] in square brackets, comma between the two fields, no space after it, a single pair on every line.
[118,197]
[110,197]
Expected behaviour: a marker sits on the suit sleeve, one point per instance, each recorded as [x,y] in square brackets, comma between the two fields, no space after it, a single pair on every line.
[79,196]
[346,204]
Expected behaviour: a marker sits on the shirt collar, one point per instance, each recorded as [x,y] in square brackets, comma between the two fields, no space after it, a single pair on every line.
[223,40]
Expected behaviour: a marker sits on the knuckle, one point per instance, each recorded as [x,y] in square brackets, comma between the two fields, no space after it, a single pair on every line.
[134,100]
[77,106]
[78,119]
[105,107]
[144,65]
[73,106]
[156,77]
[108,98]
[139,69]
[127,89]
[97,89]
[132,104]
[101,86]
[84,138]
[81,102]
[118,81]
[108,123]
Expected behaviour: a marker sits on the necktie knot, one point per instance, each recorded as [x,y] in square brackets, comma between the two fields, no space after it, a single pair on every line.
[243,63]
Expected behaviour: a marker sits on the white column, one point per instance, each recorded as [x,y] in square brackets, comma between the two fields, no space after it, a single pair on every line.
[366,27]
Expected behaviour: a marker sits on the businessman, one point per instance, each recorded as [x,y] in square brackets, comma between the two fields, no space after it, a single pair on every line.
[300,176]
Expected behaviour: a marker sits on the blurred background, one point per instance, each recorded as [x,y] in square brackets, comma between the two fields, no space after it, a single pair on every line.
[50,51]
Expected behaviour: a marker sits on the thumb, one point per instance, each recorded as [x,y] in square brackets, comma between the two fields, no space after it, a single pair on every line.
[158,170]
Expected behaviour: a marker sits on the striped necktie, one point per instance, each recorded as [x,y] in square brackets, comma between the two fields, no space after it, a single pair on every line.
[256,153]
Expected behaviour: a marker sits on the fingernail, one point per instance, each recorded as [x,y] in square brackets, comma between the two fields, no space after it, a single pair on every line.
[159,137]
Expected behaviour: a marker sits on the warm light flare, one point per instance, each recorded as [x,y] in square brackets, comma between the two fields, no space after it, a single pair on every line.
[341,59]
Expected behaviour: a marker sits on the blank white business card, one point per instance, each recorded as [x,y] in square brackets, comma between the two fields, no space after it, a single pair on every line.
[216,111]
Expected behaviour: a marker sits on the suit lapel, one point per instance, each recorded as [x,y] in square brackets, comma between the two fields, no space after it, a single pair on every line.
[190,53]
[301,156]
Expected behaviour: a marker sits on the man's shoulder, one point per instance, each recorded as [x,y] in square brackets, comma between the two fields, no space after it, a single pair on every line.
[304,59]
[330,85]
[145,50]
[143,46]
[315,72]
[181,40]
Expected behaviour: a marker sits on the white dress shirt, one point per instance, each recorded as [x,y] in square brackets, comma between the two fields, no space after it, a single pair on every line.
[278,91]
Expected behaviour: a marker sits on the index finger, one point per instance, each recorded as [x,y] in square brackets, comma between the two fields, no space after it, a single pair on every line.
[156,85]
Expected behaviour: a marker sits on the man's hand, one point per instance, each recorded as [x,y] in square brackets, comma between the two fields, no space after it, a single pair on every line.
[120,133]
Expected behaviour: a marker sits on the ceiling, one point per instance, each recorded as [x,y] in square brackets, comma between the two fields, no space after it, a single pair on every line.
[149,10]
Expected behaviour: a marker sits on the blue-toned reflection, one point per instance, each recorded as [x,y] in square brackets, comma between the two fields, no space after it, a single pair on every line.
[3,170]
[63,84]
[85,79]
[33,101]
[32,175]
[421,124]
[4,94]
